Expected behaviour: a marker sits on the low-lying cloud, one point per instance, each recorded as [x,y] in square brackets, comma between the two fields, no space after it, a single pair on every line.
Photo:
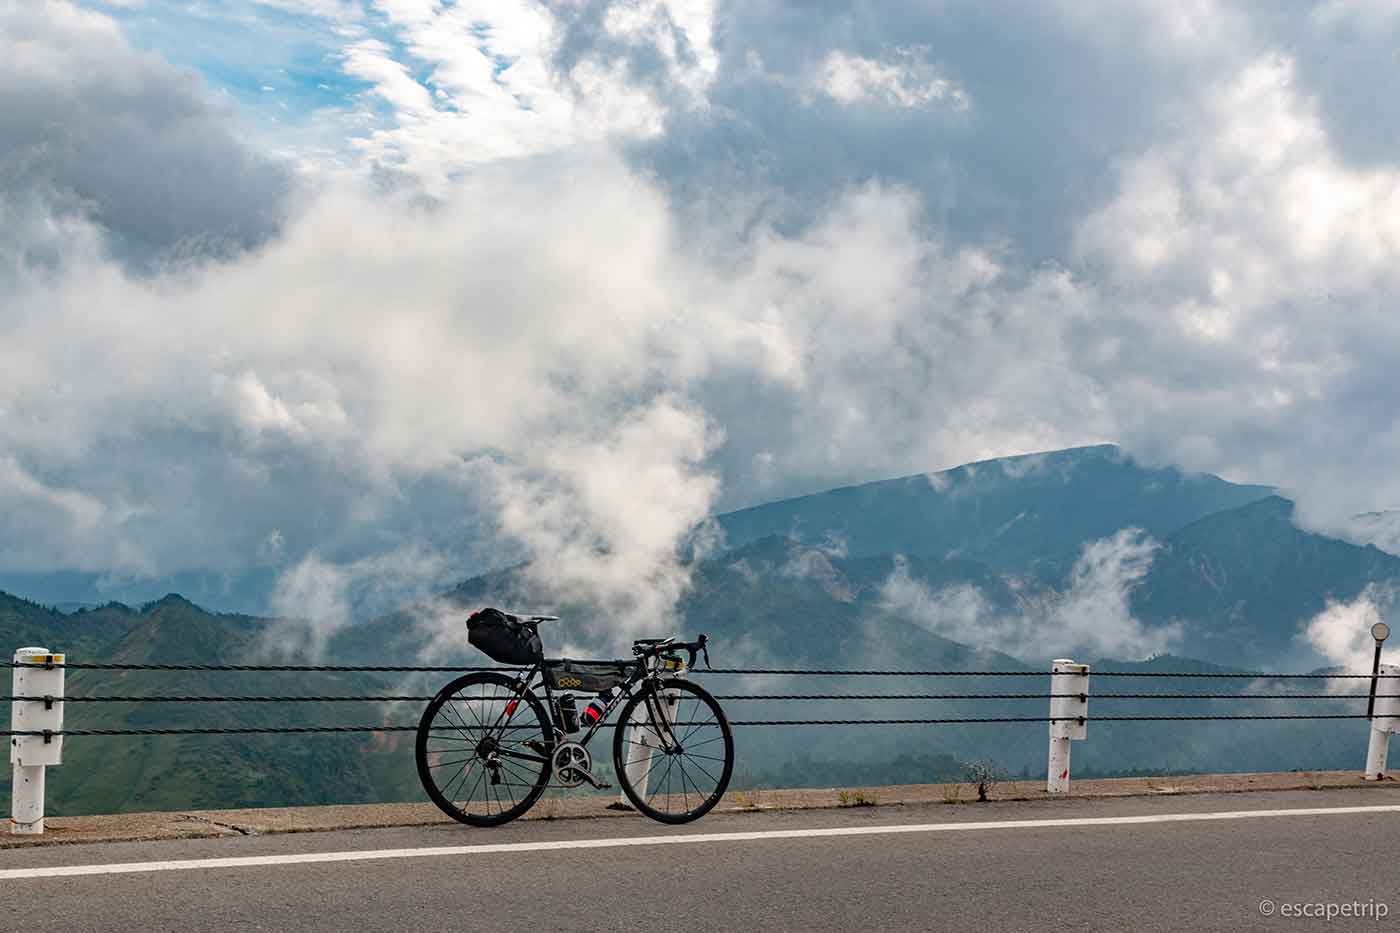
[1341,632]
[1091,618]
[316,599]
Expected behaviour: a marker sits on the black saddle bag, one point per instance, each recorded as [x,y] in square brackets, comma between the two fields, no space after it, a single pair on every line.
[504,638]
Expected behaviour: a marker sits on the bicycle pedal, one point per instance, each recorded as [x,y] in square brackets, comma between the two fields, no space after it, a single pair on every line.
[597,784]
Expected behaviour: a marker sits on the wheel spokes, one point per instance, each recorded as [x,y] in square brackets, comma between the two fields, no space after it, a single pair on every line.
[478,750]
[685,775]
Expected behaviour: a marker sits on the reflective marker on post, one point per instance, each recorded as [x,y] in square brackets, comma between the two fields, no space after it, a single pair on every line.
[1385,719]
[36,675]
[1069,713]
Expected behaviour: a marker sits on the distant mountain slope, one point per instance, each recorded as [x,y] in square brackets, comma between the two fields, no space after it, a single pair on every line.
[1246,580]
[1028,514]
[776,603]
[773,601]
[771,604]
[91,633]
[1240,584]
[227,591]
[112,774]
[1231,568]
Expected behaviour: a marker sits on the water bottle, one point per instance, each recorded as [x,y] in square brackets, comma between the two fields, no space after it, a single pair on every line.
[593,713]
[568,712]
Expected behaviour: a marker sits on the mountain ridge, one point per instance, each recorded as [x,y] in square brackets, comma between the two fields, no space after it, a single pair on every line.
[1026,514]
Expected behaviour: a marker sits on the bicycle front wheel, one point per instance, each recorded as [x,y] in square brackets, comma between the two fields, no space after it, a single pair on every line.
[678,773]
[484,749]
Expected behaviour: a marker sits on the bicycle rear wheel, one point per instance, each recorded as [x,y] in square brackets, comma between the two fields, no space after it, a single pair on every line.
[484,749]
[675,774]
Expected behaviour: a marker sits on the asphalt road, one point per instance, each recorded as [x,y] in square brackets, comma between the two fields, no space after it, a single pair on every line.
[895,868]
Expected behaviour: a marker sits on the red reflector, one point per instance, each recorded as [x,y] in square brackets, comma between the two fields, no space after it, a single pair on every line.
[510,707]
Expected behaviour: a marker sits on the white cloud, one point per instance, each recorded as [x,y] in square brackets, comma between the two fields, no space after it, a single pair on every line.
[316,598]
[1090,619]
[904,80]
[1362,13]
[681,30]
[785,296]
[341,10]
[1381,529]
[1342,632]
[465,85]
[603,511]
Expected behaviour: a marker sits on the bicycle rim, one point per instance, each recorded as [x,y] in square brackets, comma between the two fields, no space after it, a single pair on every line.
[673,782]
[483,750]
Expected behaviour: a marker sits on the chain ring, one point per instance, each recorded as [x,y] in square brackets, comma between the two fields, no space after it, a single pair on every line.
[569,759]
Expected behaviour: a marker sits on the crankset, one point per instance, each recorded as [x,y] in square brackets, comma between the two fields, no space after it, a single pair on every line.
[573,767]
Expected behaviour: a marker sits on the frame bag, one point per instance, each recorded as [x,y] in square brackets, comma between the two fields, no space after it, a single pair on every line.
[588,676]
[504,638]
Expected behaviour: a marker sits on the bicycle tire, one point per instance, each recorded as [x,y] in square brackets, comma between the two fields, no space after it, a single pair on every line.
[455,732]
[700,721]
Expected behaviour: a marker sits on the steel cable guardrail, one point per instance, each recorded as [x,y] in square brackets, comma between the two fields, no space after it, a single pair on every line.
[39,700]
[793,672]
[970,720]
[718,696]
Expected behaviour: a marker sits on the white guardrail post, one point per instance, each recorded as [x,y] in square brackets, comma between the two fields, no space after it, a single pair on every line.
[1384,720]
[639,765]
[34,676]
[1069,714]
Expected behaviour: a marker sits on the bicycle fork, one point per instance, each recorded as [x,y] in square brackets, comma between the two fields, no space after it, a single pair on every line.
[661,710]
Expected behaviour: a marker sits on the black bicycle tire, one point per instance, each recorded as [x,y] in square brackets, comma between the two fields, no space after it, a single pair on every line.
[619,763]
[420,751]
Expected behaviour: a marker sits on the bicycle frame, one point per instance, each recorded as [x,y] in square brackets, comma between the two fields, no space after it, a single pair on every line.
[641,673]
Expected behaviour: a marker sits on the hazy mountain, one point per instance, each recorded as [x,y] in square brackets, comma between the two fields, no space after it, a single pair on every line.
[773,603]
[1245,581]
[1231,572]
[1024,515]
[243,592]
[1238,587]
[805,583]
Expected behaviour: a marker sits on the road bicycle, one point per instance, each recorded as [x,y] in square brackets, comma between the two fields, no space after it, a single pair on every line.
[488,745]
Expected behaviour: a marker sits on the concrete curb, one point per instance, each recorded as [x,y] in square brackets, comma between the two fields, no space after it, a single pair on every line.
[208,824]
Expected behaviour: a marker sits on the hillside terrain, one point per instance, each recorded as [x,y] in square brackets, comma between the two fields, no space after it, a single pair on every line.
[1226,578]
[114,774]
[1024,515]
[1246,580]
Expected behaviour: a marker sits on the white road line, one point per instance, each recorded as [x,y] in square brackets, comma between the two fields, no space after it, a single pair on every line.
[253,861]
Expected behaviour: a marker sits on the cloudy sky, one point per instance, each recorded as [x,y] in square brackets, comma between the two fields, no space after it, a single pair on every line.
[362,295]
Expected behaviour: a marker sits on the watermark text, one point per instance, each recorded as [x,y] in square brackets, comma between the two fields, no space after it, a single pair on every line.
[1324,910]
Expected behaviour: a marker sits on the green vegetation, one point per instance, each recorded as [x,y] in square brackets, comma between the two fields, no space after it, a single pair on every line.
[1232,569]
